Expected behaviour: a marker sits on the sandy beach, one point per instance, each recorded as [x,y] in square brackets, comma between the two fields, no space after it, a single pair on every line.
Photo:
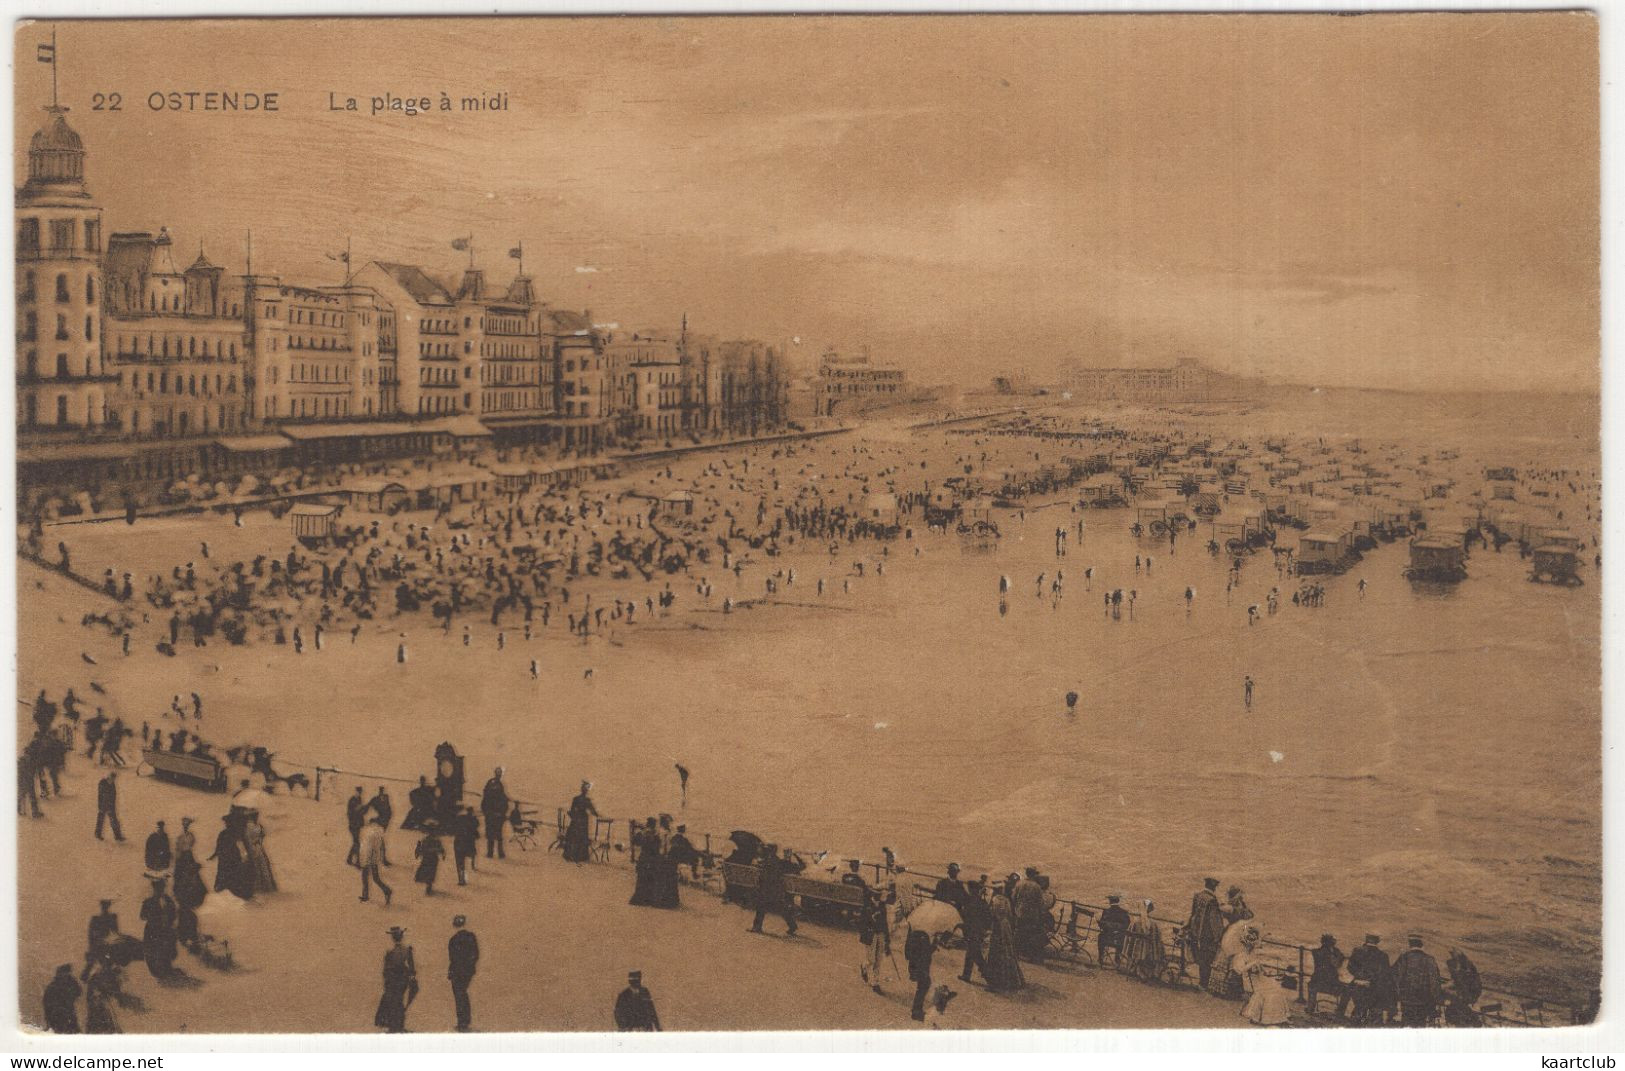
[899,707]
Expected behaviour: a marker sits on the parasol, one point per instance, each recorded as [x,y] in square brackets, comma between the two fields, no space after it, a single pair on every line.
[934,917]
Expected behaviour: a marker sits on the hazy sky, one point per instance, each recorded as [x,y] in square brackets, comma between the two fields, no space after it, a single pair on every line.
[1378,200]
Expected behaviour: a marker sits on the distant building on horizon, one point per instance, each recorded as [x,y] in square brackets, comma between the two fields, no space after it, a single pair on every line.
[851,384]
[1188,380]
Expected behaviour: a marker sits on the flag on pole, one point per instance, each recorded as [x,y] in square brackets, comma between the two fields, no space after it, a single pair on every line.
[344,256]
[462,243]
[46,54]
[517,252]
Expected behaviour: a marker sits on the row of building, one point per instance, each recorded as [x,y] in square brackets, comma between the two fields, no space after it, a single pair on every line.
[120,347]
[1188,380]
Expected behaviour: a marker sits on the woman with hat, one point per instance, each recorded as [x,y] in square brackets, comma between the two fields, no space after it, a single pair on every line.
[258,863]
[400,984]
[1003,969]
[189,888]
[429,851]
[231,874]
[1143,954]
[158,939]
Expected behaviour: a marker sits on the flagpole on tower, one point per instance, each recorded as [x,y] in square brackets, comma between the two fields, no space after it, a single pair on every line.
[54,102]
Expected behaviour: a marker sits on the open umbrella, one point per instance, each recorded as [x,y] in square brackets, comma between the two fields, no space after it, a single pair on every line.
[936,917]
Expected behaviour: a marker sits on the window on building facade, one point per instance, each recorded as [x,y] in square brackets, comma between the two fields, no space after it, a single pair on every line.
[62,287]
[93,235]
[30,326]
[61,326]
[61,408]
[90,329]
[61,234]
[90,289]
[28,236]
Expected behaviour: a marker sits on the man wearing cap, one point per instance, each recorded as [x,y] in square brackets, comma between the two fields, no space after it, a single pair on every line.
[1114,923]
[158,939]
[1417,982]
[1373,981]
[462,957]
[635,1007]
[1205,928]
[400,984]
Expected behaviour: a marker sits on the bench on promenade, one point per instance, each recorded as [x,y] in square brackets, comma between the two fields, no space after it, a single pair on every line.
[739,882]
[198,771]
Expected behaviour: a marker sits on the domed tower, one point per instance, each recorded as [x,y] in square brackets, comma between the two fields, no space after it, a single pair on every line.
[60,383]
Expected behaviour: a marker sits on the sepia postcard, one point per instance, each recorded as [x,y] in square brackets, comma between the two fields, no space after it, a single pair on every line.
[587,524]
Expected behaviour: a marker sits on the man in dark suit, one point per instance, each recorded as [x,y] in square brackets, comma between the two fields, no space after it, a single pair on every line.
[463,956]
[107,805]
[494,806]
[356,815]
[635,1007]
[978,920]
[918,950]
[950,890]
[771,894]
[1114,923]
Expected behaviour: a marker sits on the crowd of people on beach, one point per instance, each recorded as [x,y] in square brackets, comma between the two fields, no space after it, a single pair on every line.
[591,559]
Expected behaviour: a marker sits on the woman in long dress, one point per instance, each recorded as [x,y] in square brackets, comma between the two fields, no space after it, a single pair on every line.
[189,888]
[230,872]
[665,868]
[1226,979]
[1003,968]
[1269,999]
[1144,955]
[646,867]
[429,852]
[578,835]
[259,863]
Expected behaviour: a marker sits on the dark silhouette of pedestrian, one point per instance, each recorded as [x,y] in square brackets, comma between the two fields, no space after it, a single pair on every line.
[635,1007]
[462,957]
[107,805]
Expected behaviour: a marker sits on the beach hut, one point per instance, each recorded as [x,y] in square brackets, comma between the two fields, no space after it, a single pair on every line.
[1102,490]
[1557,537]
[379,494]
[1433,558]
[314,522]
[511,480]
[675,506]
[880,507]
[1556,565]
[1321,551]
